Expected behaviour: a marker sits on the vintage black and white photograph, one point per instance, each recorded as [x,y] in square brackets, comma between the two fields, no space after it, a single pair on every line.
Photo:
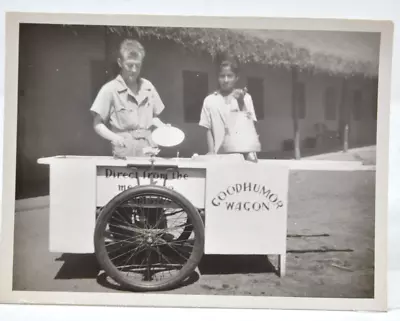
[223,160]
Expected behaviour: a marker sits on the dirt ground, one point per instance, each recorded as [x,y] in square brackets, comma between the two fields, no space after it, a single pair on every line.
[330,249]
[366,155]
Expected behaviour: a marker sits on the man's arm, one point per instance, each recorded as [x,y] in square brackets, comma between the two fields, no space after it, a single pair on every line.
[102,130]
[157,122]
[101,111]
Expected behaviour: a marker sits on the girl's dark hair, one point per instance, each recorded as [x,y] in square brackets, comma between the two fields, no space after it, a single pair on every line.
[229,62]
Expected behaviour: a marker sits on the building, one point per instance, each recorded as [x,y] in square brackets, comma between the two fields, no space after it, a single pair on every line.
[306,86]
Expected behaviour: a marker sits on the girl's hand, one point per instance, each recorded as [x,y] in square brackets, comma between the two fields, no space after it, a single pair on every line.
[238,94]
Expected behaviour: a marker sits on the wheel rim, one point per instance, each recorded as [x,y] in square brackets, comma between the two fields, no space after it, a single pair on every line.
[149,241]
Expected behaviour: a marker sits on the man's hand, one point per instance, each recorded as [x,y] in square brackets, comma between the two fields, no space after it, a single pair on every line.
[118,142]
[151,151]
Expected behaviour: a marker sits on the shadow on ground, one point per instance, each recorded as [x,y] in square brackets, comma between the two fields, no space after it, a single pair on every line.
[235,264]
[85,266]
[78,266]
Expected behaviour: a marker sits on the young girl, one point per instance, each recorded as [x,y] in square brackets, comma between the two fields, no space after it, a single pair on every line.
[217,111]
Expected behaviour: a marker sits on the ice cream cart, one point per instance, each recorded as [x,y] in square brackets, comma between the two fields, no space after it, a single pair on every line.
[149,220]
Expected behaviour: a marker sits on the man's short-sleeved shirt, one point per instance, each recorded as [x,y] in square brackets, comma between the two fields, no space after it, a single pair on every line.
[215,110]
[124,111]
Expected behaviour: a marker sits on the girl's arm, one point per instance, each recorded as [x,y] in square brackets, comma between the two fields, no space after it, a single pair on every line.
[249,107]
[245,102]
[210,142]
[205,122]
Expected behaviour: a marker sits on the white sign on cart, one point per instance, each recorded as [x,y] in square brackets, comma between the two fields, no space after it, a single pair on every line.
[246,210]
[112,180]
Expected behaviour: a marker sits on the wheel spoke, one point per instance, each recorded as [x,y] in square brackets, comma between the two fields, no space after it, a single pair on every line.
[177,252]
[174,213]
[135,251]
[123,243]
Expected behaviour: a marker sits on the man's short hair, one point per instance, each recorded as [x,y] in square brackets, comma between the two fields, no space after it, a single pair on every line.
[132,49]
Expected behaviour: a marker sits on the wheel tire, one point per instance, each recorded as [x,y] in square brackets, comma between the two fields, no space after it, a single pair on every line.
[140,286]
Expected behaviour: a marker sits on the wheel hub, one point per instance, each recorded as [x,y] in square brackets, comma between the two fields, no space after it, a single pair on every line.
[149,239]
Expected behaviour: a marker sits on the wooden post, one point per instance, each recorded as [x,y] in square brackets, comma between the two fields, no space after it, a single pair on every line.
[282,265]
[295,114]
[346,138]
[345,117]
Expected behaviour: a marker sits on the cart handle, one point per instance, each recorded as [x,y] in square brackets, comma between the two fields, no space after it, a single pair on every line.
[159,167]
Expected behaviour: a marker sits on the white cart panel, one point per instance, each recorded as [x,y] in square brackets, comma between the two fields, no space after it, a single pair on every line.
[246,209]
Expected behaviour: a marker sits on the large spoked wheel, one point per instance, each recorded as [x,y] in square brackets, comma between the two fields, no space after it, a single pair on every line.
[149,238]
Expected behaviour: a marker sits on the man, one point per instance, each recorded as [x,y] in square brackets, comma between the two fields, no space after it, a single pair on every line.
[128,106]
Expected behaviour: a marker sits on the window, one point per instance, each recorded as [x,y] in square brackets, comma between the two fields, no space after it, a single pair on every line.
[255,87]
[331,103]
[300,99]
[195,89]
[357,104]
